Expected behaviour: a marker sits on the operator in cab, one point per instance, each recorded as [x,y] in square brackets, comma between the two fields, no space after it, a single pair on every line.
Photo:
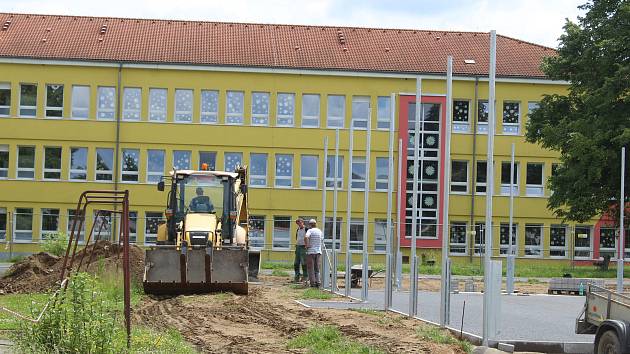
[201,203]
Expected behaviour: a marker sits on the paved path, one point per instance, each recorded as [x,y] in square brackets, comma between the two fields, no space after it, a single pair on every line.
[525,318]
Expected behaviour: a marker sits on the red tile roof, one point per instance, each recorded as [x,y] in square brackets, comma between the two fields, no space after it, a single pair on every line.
[262,45]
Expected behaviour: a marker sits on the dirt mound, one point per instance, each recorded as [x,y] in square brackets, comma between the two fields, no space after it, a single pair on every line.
[40,272]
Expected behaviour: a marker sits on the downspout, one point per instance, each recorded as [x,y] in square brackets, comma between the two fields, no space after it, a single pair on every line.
[117,150]
[473,192]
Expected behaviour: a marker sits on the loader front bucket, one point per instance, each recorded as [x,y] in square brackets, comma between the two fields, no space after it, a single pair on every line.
[169,271]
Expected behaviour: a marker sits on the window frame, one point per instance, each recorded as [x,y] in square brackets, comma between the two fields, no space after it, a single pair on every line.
[381,184]
[330,118]
[163,114]
[564,249]
[383,122]
[209,117]
[330,181]
[381,246]
[588,249]
[211,166]
[281,240]
[254,232]
[504,247]
[278,178]
[152,174]
[184,152]
[483,107]
[4,223]
[5,155]
[459,183]
[303,178]
[52,170]
[98,172]
[479,184]
[306,118]
[70,217]
[609,250]
[6,86]
[327,237]
[76,90]
[58,109]
[367,119]
[44,233]
[148,235]
[27,107]
[358,160]
[178,113]
[461,127]
[505,187]
[356,227]
[130,111]
[253,178]
[30,170]
[239,118]
[263,116]
[532,248]
[16,231]
[279,116]
[232,153]
[452,245]
[511,128]
[535,190]
[102,113]
[78,171]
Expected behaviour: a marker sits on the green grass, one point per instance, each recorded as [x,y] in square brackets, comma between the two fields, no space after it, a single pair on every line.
[328,340]
[147,340]
[276,265]
[16,259]
[20,303]
[369,312]
[442,336]
[280,273]
[315,294]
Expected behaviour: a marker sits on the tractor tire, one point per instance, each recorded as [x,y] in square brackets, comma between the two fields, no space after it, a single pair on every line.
[608,343]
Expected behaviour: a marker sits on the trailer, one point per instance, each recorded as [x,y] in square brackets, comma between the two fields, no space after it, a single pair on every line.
[607,315]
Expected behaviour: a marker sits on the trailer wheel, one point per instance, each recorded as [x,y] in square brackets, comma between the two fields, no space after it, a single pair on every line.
[608,343]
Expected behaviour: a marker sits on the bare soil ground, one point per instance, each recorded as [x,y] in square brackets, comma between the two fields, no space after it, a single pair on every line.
[266,319]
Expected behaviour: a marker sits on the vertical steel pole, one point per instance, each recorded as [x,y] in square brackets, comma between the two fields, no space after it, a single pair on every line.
[413,275]
[622,209]
[489,189]
[323,222]
[335,201]
[445,293]
[349,213]
[399,210]
[126,270]
[366,207]
[510,256]
[390,189]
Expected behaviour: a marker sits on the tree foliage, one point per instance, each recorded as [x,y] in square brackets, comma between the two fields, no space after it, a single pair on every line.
[590,124]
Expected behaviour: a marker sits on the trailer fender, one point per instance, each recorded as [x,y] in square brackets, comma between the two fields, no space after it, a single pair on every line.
[622,328]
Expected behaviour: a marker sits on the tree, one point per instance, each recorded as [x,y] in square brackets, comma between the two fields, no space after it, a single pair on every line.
[590,124]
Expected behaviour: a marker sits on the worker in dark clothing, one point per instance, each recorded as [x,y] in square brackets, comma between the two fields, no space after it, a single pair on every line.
[201,203]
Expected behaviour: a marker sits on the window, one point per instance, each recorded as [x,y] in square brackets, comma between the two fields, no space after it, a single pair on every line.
[511,117]
[483,110]
[458,238]
[52,163]
[533,240]
[356,234]
[157,104]
[26,162]
[482,173]
[23,225]
[78,163]
[461,115]
[155,165]
[284,170]
[233,160]
[383,112]
[330,172]
[28,100]
[54,101]
[459,176]
[534,179]
[583,246]
[285,110]
[558,241]
[256,231]
[504,238]
[5,99]
[337,111]
[106,107]
[209,106]
[310,111]
[81,235]
[608,242]
[360,112]
[3,223]
[133,226]
[4,161]
[234,111]
[50,222]
[382,173]
[209,158]
[103,222]
[505,178]
[260,108]
[183,105]
[258,170]
[531,107]
[80,102]
[104,164]
[129,163]
[380,235]
[132,103]
[281,232]
[328,232]
[152,222]
[181,159]
[358,173]
[308,171]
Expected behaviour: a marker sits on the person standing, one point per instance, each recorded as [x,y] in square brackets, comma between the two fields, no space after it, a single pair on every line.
[300,251]
[313,243]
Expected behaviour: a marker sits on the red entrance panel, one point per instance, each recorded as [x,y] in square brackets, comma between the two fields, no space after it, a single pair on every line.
[404,135]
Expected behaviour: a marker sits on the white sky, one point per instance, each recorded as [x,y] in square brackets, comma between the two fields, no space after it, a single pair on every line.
[538,21]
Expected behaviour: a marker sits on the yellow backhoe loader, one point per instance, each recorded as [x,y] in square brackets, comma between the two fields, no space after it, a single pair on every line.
[203,246]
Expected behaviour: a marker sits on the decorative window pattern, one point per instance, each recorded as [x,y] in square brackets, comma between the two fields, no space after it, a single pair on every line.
[106,107]
[78,163]
[26,162]
[480,181]
[80,102]
[358,173]
[233,160]
[258,170]
[50,222]
[54,101]
[533,240]
[383,112]
[234,114]
[461,114]
[310,111]
[104,164]
[380,235]
[330,172]
[608,242]
[5,99]
[308,171]
[336,111]
[328,232]
[181,159]
[382,173]
[285,110]
[558,241]
[281,232]
[505,178]
[130,165]
[356,234]
[4,161]
[155,165]
[153,220]
[483,110]
[260,108]
[256,231]
[209,106]
[284,170]
[583,242]
[504,238]
[183,105]
[511,117]
[458,237]
[52,163]
[459,176]
[360,112]
[28,100]
[132,103]
[3,223]
[23,225]
[209,158]
[157,104]
[534,179]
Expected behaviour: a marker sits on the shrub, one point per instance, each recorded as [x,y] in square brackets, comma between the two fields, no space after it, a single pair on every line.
[55,243]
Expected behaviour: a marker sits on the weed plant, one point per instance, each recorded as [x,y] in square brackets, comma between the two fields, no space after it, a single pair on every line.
[329,340]
[55,243]
[442,336]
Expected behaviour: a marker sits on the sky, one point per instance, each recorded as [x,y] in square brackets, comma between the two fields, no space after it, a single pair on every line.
[537,21]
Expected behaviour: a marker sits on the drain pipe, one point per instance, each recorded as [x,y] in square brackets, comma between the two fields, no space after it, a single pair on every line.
[473,192]
[117,150]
